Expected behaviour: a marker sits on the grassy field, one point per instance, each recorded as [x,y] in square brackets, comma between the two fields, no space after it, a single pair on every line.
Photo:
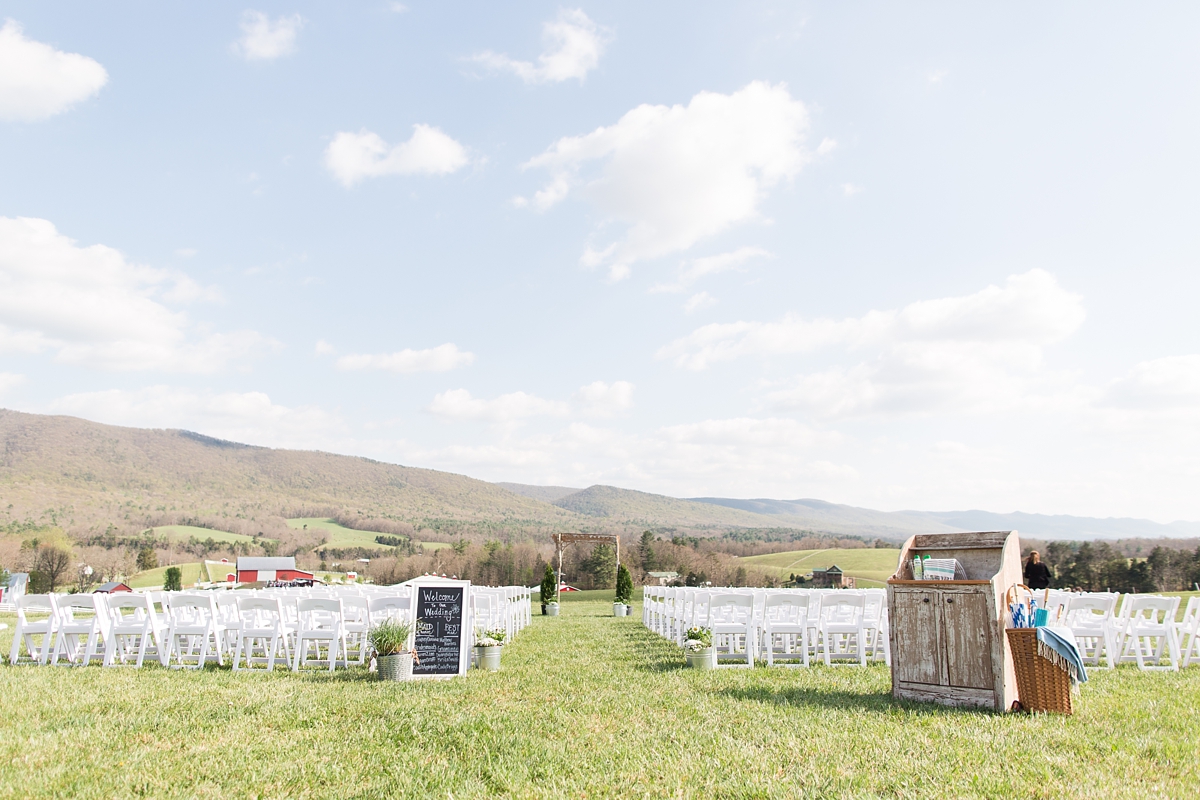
[871,566]
[586,705]
[340,536]
[181,533]
[155,577]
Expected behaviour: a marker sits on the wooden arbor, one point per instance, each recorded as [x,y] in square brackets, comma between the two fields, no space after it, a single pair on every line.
[561,540]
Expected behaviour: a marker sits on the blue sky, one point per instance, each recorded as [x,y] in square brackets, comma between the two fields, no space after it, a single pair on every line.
[927,257]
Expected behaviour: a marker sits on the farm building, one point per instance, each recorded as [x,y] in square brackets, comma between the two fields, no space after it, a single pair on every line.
[111,587]
[831,578]
[261,569]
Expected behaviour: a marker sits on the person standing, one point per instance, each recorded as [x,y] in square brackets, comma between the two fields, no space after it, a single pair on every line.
[1037,574]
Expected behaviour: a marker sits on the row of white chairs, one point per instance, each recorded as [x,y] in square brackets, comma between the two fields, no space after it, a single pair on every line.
[249,627]
[1142,629]
[789,625]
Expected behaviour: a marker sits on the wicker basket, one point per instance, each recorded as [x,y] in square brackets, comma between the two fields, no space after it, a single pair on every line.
[1041,684]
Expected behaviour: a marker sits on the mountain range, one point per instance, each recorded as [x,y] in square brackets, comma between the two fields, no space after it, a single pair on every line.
[88,477]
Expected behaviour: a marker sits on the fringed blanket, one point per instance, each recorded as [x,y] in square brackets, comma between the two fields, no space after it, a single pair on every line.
[1058,646]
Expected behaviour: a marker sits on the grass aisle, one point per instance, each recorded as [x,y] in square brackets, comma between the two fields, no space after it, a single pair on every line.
[587,706]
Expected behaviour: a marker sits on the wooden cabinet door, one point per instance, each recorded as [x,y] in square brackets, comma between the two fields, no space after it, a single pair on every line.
[917,648]
[968,639]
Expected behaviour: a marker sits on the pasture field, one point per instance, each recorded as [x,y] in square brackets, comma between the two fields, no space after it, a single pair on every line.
[587,705]
[192,572]
[873,565]
[340,536]
[181,533]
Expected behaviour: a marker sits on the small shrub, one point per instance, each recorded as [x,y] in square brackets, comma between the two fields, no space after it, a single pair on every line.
[390,637]
[173,580]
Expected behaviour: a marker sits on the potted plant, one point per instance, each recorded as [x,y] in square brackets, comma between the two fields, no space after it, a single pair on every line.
[549,592]
[698,649]
[394,659]
[488,645]
[622,607]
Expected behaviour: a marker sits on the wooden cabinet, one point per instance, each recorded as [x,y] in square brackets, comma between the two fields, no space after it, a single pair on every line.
[948,641]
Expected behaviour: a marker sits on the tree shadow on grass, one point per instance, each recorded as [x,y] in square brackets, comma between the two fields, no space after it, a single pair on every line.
[841,699]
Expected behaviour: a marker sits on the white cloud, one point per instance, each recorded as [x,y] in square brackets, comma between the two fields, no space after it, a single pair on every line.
[37,81]
[574,45]
[9,381]
[931,354]
[698,302]
[248,417]
[826,146]
[264,39]
[600,399]
[597,399]
[324,348]
[460,405]
[738,457]
[937,75]
[354,156]
[442,358]
[96,309]
[1164,383]
[186,252]
[849,189]
[690,272]
[678,175]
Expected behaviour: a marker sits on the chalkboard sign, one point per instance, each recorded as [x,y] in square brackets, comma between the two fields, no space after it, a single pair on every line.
[440,638]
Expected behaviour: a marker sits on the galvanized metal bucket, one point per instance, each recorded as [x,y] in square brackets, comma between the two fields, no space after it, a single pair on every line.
[552,610]
[397,667]
[488,658]
[620,610]
[702,659]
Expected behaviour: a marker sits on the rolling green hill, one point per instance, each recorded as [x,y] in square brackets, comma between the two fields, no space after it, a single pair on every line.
[873,565]
[340,536]
[182,533]
[86,477]
[643,508]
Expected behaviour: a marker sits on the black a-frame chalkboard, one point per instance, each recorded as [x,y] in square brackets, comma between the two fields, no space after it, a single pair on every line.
[442,638]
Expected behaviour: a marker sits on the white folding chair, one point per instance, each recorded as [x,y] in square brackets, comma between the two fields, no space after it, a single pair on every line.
[28,629]
[1090,618]
[875,625]
[81,627]
[357,622]
[320,622]
[192,630]
[1188,630]
[731,620]
[262,630]
[841,623]
[132,629]
[785,623]
[1150,630]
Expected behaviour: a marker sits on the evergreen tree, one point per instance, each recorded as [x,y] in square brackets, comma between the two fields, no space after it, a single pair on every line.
[624,585]
[549,588]
[646,551]
[173,580]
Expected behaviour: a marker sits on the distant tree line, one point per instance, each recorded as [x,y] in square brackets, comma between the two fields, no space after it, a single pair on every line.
[1098,566]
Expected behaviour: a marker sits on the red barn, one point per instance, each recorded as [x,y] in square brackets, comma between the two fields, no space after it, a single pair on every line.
[252,569]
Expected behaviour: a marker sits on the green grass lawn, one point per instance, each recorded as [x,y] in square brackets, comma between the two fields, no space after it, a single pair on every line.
[871,566]
[340,536]
[586,705]
[181,533]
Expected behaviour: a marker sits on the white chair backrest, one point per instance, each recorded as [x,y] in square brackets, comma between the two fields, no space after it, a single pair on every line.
[1153,609]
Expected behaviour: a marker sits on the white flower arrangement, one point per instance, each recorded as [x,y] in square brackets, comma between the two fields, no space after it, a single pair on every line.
[492,638]
[698,640]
